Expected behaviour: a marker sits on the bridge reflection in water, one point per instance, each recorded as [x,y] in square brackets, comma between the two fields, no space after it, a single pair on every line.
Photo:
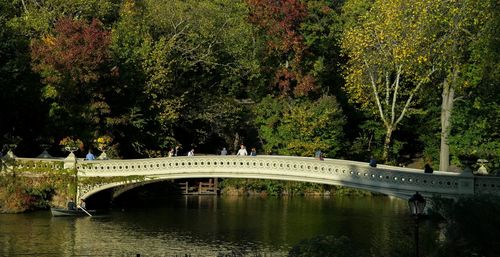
[212,225]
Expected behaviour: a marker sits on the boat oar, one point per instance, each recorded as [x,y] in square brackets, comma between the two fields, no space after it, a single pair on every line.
[84,210]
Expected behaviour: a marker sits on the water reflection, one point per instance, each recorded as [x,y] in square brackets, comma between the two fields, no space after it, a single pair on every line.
[205,226]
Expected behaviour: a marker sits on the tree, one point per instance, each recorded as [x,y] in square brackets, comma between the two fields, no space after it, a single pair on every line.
[279,21]
[23,115]
[300,127]
[224,123]
[458,25]
[321,31]
[390,58]
[475,127]
[38,18]
[183,60]
[73,61]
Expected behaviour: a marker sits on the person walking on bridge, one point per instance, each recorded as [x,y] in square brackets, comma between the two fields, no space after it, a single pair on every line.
[428,169]
[318,155]
[242,151]
[177,150]
[90,156]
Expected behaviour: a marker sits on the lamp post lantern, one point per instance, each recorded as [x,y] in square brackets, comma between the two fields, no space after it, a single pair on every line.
[417,205]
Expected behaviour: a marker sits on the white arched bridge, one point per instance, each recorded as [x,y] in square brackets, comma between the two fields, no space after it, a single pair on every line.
[394,181]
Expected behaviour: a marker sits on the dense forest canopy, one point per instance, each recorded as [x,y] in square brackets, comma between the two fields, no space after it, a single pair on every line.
[397,80]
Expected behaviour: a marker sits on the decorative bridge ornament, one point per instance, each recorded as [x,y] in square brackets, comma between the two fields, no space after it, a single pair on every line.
[393,181]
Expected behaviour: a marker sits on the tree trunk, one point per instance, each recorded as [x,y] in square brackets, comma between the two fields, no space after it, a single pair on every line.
[387,142]
[236,142]
[446,108]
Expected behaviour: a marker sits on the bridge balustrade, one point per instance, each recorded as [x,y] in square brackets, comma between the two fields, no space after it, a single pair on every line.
[390,180]
[383,179]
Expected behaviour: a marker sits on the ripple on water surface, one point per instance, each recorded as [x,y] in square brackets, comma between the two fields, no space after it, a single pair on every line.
[202,226]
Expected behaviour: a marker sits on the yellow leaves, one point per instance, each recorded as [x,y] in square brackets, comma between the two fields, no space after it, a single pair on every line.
[422,59]
[49,40]
[106,139]
[394,33]
[50,92]
[467,84]
[128,8]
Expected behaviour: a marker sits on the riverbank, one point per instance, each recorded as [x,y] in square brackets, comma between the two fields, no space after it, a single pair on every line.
[22,193]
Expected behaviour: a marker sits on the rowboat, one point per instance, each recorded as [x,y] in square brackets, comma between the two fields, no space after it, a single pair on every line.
[57,212]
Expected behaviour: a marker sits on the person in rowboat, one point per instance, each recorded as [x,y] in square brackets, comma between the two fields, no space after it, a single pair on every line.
[82,204]
[71,205]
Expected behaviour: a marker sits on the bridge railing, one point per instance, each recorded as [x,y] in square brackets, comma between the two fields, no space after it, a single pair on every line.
[33,164]
[486,185]
[383,178]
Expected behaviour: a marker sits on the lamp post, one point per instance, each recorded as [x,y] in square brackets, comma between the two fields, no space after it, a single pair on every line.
[417,206]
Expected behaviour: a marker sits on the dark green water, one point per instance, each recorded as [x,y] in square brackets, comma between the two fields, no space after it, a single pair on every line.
[212,226]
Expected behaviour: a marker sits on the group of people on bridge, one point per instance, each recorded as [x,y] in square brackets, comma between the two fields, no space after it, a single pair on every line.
[173,152]
[253,152]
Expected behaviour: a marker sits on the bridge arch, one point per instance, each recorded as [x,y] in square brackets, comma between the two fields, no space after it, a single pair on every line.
[122,187]
[393,181]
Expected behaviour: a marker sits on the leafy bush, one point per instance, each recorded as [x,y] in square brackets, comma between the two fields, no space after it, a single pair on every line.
[300,127]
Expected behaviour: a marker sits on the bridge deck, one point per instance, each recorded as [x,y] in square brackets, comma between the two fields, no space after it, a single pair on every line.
[390,180]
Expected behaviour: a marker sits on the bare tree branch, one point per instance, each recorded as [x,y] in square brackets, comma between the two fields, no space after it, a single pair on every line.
[395,95]
[375,92]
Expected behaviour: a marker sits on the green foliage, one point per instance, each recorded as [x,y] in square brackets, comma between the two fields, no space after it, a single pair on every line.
[170,72]
[38,185]
[476,118]
[185,61]
[368,143]
[328,246]
[390,60]
[346,191]
[322,30]
[37,19]
[104,180]
[353,11]
[476,129]
[21,192]
[300,127]
[301,55]
[273,187]
[73,60]
[20,87]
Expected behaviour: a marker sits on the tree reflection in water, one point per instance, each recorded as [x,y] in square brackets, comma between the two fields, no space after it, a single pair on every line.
[212,226]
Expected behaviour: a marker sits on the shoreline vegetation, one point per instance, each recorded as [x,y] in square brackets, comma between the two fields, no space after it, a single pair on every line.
[23,194]
[262,187]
